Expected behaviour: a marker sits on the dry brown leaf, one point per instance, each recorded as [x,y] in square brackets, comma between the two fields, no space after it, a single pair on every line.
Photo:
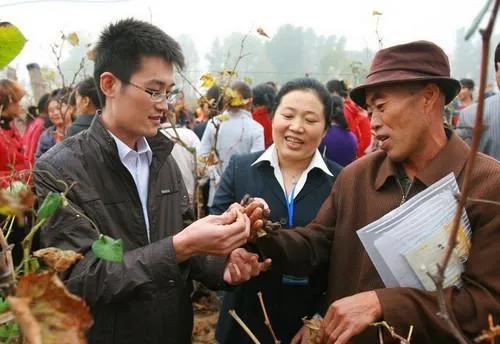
[57,259]
[16,202]
[61,317]
[313,326]
[261,32]
[20,306]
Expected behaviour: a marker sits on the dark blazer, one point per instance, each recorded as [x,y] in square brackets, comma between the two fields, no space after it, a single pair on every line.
[286,304]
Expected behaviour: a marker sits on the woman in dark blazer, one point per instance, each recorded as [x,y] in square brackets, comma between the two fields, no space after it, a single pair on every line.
[294,180]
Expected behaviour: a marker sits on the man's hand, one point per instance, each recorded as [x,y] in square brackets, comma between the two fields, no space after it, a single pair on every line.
[242,265]
[257,211]
[302,337]
[214,235]
[350,316]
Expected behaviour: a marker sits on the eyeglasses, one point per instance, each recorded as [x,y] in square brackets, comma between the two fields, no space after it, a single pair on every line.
[156,96]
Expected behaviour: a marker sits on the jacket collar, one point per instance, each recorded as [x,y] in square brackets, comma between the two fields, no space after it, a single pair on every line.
[160,145]
[451,158]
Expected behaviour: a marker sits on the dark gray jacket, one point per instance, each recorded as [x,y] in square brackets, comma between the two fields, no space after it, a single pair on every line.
[145,299]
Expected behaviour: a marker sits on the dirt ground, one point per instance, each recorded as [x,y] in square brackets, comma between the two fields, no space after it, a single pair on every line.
[206,313]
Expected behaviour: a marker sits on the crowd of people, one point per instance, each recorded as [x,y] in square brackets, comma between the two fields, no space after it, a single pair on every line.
[321,160]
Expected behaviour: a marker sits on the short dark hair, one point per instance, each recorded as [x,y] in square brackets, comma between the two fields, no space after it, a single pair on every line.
[338,112]
[88,88]
[42,103]
[497,55]
[467,83]
[122,46]
[264,95]
[337,86]
[308,84]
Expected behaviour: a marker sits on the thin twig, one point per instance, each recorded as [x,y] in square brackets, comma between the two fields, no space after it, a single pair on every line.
[476,136]
[250,334]
[267,322]
[392,332]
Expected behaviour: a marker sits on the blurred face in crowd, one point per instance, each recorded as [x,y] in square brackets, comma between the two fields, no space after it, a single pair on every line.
[13,109]
[464,94]
[84,105]
[54,110]
[398,120]
[132,113]
[298,125]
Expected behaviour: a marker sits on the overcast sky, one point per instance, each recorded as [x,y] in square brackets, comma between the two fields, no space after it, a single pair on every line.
[402,20]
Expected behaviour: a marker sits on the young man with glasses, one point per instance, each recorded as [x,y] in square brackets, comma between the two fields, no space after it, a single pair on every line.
[126,182]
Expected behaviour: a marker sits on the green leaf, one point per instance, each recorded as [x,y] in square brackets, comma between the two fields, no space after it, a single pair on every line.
[108,249]
[11,43]
[4,305]
[49,206]
[248,80]
[9,330]
[477,20]
[34,264]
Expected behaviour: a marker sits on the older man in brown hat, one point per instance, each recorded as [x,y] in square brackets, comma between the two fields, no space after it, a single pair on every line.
[405,92]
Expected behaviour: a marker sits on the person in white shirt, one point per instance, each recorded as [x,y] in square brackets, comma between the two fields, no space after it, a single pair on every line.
[238,133]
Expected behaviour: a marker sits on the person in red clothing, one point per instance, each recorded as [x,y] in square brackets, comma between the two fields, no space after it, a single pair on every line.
[12,158]
[35,129]
[358,121]
[263,103]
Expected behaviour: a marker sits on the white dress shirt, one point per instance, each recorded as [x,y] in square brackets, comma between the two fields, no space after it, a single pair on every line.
[137,163]
[271,155]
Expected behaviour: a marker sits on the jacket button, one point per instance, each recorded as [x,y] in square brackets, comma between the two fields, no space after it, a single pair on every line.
[171,283]
[283,220]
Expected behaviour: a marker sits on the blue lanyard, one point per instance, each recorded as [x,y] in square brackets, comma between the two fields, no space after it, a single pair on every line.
[291,205]
[288,279]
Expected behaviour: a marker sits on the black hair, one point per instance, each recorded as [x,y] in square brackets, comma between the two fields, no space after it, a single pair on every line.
[87,88]
[308,84]
[42,103]
[497,55]
[337,86]
[467,83]
[338,112]
[122,46]
[264,95]
[213,96]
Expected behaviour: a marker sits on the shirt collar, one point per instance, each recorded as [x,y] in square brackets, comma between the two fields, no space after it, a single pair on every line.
[451,158]
[124,150]
[271,155]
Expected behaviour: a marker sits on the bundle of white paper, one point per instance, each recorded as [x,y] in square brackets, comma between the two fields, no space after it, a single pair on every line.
[406,243]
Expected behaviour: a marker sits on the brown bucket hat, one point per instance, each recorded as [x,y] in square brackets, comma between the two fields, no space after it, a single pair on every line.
[415,61]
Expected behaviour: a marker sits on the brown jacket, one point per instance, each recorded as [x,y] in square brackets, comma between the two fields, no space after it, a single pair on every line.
[366,190]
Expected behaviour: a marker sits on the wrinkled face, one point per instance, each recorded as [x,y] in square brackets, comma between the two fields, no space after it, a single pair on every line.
[136,115]
[54,110]
[298,125]
[398,121]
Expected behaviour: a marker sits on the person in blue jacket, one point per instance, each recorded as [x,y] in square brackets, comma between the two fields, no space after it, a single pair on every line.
[293,179]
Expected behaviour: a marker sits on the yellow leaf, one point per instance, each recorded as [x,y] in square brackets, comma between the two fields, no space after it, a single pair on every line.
[376,13]
[222,117]
[233,98]
[248,80]
[73,39]
[207,80]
